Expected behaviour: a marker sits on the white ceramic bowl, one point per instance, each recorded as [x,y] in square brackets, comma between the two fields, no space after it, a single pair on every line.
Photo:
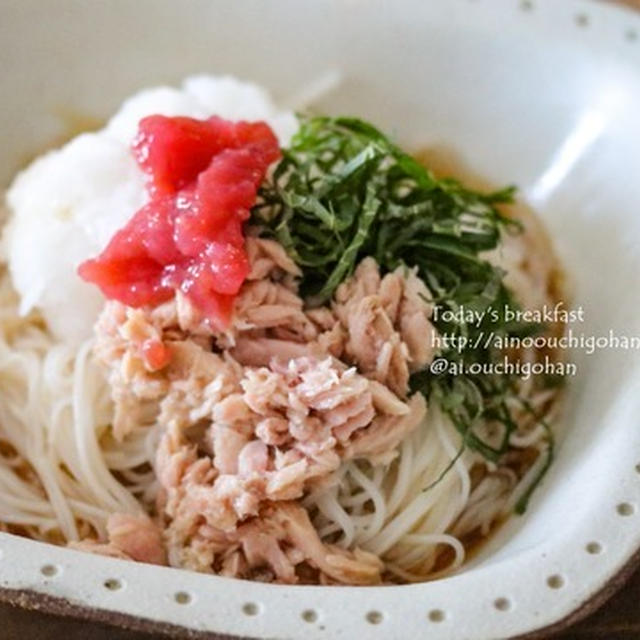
[544,93]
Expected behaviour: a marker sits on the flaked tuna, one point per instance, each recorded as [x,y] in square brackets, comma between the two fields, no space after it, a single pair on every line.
[254,417]
[131,537]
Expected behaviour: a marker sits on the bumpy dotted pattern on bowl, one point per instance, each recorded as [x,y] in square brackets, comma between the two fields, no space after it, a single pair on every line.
[532,586]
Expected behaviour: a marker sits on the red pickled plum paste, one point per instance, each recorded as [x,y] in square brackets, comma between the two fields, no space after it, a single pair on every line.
[203,180]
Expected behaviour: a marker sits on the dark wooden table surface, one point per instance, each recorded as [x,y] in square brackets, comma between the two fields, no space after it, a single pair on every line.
[618,619]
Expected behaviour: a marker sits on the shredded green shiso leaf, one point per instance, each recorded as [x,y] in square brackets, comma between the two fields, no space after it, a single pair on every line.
[343,191]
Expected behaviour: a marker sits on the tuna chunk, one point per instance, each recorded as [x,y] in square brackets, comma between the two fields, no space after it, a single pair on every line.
[267,256]
[380,440]
[137,536]
[259,352]
[350,567]
[387,321]
[285,430]
[129,537]
[413,320]
[273,545]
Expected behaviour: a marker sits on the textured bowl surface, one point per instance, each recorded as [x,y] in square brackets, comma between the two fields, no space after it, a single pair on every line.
[541,93]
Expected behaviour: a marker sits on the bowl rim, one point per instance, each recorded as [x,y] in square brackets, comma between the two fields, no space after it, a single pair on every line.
[35,599]
[31,600]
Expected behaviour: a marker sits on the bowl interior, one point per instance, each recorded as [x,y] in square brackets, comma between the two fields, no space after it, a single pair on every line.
[531,97]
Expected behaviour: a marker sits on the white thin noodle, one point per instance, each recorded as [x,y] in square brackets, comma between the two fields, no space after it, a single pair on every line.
[386,509]
[55,412]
